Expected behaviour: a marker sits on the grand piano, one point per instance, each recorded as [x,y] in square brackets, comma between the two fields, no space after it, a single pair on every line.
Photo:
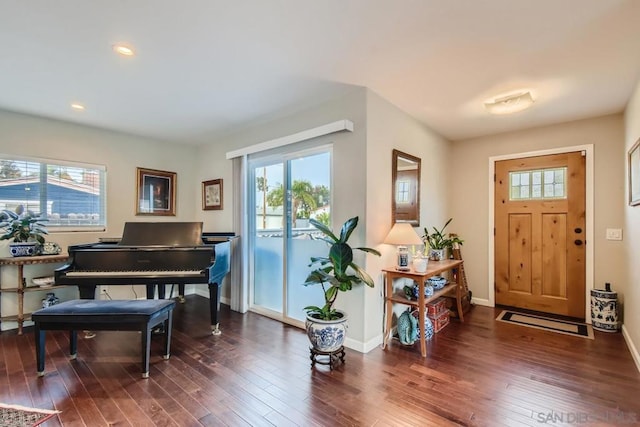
[152,253]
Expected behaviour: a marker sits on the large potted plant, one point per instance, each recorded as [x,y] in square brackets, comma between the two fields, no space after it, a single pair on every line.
[335,273]
[24,229]
[439,243]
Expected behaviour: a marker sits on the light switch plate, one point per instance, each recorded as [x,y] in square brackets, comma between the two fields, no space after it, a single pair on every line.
[614,234]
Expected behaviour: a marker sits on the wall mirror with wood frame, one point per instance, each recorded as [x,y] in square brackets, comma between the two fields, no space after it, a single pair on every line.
[405,200]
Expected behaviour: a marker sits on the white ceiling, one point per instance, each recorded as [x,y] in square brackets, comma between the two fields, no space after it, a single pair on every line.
[206,67]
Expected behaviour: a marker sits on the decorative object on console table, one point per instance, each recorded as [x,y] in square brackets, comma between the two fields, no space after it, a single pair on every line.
[51,248]
[21,287]
[439,244]
[402,234]
[420,262]
[428,290]
[24,249]
[428,326]
[407,327]
[438,282]
[25,230]
[439,320]
[436,306]
[212,195]
[155,192]
[335,273]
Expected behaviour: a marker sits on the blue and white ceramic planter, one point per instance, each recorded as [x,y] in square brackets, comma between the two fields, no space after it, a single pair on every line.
[49,300]
[428,327]
[24,248]
[428,290]
[604,310]
[438,282]
[326,335]
[437,254]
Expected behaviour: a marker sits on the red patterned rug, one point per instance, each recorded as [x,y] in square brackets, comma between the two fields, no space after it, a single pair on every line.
[20,416]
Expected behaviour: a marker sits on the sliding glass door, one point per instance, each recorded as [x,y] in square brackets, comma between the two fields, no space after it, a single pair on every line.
[288,190]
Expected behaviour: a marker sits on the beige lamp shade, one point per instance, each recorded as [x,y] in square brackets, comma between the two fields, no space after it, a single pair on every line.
[402,233]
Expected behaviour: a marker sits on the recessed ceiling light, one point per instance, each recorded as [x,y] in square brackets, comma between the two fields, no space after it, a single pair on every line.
[509,103]
[78,107]
[123,50]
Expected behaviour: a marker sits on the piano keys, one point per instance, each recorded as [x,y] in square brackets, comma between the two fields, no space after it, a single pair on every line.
[152,253]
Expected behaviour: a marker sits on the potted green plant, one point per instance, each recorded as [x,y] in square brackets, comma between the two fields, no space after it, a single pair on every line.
[335,273]
[24,229]
[439,243]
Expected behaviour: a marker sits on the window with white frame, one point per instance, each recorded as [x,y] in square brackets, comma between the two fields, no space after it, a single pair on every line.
[402,191]
[538,184]
[71,196]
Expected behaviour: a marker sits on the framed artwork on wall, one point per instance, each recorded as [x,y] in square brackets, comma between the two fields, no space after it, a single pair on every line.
[212,195]
[155,192]
[634,174]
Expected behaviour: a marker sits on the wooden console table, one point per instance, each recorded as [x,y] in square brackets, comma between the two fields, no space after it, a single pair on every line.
[434,268]
[22,287]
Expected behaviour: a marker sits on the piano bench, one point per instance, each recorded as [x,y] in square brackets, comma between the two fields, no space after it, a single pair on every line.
[104,315]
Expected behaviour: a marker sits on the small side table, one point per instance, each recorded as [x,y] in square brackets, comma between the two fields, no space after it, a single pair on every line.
[21,285]
[434,268]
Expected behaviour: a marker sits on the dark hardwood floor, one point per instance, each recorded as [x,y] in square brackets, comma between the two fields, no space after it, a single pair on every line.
[257,373]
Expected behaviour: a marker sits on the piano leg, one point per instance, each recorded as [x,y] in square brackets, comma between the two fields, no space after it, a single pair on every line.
[87,291]
[180,296]
[214,307]
[151,291]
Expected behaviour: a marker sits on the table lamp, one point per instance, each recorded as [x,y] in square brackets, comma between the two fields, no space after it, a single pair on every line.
[402,234]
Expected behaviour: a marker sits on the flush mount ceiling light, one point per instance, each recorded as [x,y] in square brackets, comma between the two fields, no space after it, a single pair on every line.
[78,107]
[511,103]
[123,50]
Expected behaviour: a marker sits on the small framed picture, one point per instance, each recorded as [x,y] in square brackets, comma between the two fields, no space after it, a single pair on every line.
[212,195]
[634,174]
[155,192]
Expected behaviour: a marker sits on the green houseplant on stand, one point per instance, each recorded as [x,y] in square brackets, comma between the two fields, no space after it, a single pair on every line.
[24,229]
[335,273]
[438,243]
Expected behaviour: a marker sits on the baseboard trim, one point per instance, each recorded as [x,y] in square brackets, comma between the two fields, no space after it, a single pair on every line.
[632,348]
[483,302]
[204,292]
[363,347]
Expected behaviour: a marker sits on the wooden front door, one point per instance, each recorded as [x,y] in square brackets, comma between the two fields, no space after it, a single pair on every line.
[540,233]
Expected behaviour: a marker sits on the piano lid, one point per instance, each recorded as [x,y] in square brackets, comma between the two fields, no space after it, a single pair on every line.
[162,234]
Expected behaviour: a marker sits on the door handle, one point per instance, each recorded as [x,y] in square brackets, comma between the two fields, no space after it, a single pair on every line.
[578,242]
[578,230]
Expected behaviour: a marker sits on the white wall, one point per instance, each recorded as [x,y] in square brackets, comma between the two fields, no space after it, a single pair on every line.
[631,242]
[388,127]
[25,135]
[470,185]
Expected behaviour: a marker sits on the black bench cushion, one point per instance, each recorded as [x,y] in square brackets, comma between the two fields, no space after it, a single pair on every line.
[89,307]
